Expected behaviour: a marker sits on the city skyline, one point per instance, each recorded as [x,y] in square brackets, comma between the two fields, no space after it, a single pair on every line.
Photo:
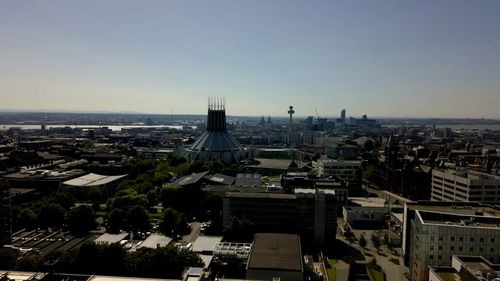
[392,59]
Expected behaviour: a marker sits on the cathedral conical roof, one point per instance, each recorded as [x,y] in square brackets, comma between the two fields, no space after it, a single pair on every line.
[216,143]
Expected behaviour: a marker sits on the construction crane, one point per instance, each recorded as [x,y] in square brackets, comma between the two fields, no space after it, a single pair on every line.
[317,114]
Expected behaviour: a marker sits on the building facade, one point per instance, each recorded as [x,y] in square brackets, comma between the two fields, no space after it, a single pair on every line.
[308,212]
[436,237]
[348,170]
[465,185]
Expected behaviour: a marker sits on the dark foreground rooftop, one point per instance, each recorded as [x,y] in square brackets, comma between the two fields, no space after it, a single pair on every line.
[276,251]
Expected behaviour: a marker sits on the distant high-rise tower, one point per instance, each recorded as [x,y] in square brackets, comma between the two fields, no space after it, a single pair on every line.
[216,143]
[291,112]
[342,115]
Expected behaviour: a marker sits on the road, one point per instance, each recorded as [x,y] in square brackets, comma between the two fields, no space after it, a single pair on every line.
[195,232]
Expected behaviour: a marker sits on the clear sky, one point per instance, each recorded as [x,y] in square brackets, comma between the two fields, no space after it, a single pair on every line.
[421,58]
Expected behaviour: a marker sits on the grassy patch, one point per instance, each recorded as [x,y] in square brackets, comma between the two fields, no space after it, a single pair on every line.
[377,275]
[101,214]
[331,269]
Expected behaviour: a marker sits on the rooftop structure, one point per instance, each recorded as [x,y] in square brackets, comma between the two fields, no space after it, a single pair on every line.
[91,180]
[40,276]
[107,238]
[206,244]
[155,240]
[216,143]
[466,268]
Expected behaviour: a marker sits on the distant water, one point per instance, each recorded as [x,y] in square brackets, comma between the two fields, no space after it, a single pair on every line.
[470,127]
[112,127]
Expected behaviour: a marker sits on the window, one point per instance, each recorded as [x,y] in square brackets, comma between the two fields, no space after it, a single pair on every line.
[461,239]
[480,249]
[440,247]
[460,248]
[440,238]
[452,238]
[440,257]
[472,239]
[481,239]
[492,240]
[432,237]
[471,249]
[492,250]
[452,248]
[431,257]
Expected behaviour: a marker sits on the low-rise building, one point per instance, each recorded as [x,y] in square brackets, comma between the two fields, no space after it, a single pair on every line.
[275,256]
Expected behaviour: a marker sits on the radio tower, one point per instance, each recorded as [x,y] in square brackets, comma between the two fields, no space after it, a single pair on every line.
[291,112]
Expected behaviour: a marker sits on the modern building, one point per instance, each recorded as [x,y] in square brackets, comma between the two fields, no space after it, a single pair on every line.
[436,237]
[458,208]
[348,170]
[275,256]
[5,214]
[292,181]
[216,143]
[367,212]
[308,212]
[465,185]
[342,151]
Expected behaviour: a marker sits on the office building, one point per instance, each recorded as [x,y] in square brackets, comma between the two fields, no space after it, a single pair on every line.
[348,170]
[465,185]
[436,237]
[5,214]
[308,212]
[342,151]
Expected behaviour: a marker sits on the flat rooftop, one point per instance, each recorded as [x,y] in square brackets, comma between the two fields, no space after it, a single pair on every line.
[276,251]
[428,217]
[155,240]
[368,201]
[206,243]
[93,180]
[260,195]
[111,238]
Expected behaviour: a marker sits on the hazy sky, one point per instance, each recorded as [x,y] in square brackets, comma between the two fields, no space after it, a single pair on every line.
[419,58]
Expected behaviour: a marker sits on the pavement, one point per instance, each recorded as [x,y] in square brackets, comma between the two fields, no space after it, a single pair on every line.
[342,270]
[195,232]
[393,271]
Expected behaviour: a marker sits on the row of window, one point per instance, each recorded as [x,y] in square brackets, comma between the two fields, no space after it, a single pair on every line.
[461,238]
[460,248]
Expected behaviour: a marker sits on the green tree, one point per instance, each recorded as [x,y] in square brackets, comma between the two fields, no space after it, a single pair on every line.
[362,241]
[376,241]
[81,220]
[8,258]
[152,197]
[116,220]
[138,218]
[26,219]
[51,215]
[169,222]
